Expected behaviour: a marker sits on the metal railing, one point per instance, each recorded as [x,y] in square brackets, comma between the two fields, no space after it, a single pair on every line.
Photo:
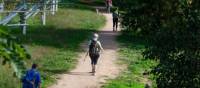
[28,11]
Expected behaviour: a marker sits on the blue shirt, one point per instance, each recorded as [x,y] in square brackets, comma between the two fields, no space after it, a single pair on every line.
[33,75]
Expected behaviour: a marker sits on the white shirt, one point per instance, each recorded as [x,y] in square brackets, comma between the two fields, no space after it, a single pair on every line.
[98,43]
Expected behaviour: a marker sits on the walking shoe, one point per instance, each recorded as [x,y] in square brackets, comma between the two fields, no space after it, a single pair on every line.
[93,70]
[93,74]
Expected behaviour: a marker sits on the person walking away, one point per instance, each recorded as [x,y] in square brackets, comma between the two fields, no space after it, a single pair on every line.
[94,51]
[108,5]
[115,16]
[32,78]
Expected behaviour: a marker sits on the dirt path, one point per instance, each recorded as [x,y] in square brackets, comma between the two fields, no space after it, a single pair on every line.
[106,68]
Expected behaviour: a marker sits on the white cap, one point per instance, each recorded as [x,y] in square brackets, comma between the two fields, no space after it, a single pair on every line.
[95,36]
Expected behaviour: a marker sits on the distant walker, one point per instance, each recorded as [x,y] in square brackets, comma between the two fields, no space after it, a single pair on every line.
[108,5]
[115,16]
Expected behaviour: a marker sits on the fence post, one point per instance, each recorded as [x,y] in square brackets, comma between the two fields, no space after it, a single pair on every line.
[97,10]
[53,7]
[23,18]
[1,9]
[44,13]
[56,5]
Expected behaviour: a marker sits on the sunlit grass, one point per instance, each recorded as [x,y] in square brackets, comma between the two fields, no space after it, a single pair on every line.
[6,79]
[55,46]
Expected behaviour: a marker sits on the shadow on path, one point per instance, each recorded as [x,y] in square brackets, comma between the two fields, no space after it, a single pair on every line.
[80,73]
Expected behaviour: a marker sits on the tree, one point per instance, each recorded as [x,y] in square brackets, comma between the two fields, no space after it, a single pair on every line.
[12,52]
[172,30]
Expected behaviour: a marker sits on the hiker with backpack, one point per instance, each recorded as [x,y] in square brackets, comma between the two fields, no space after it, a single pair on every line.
[94,51]
[115,16]
[32,78]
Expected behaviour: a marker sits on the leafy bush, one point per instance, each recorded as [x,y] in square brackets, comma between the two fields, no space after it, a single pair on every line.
[172,30]
[12,52]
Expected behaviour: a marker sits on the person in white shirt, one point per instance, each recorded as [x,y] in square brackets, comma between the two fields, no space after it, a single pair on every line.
[94,50]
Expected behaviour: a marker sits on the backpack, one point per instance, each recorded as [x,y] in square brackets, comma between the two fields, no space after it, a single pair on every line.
[28,78]
[115,15]
[93,48]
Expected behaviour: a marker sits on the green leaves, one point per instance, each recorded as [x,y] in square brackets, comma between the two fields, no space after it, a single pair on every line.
[172,29]
[12,52]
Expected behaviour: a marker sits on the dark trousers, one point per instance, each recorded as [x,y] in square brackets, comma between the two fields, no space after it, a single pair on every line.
[28,85]
[94,58]
[115,24]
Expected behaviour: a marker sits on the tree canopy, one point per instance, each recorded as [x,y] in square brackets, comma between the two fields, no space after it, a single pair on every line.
[172,30]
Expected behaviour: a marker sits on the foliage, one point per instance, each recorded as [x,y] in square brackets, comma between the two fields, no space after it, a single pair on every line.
[172,30]
[12,52]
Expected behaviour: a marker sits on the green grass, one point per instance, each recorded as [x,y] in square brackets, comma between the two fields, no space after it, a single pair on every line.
[7,80]
[130,51]
[55,46]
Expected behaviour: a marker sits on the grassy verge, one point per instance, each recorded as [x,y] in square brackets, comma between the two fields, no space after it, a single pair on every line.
[6,79]
[136,75]
[55,46]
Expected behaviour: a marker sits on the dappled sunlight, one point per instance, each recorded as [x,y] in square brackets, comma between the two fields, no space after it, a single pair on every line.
[80,73]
